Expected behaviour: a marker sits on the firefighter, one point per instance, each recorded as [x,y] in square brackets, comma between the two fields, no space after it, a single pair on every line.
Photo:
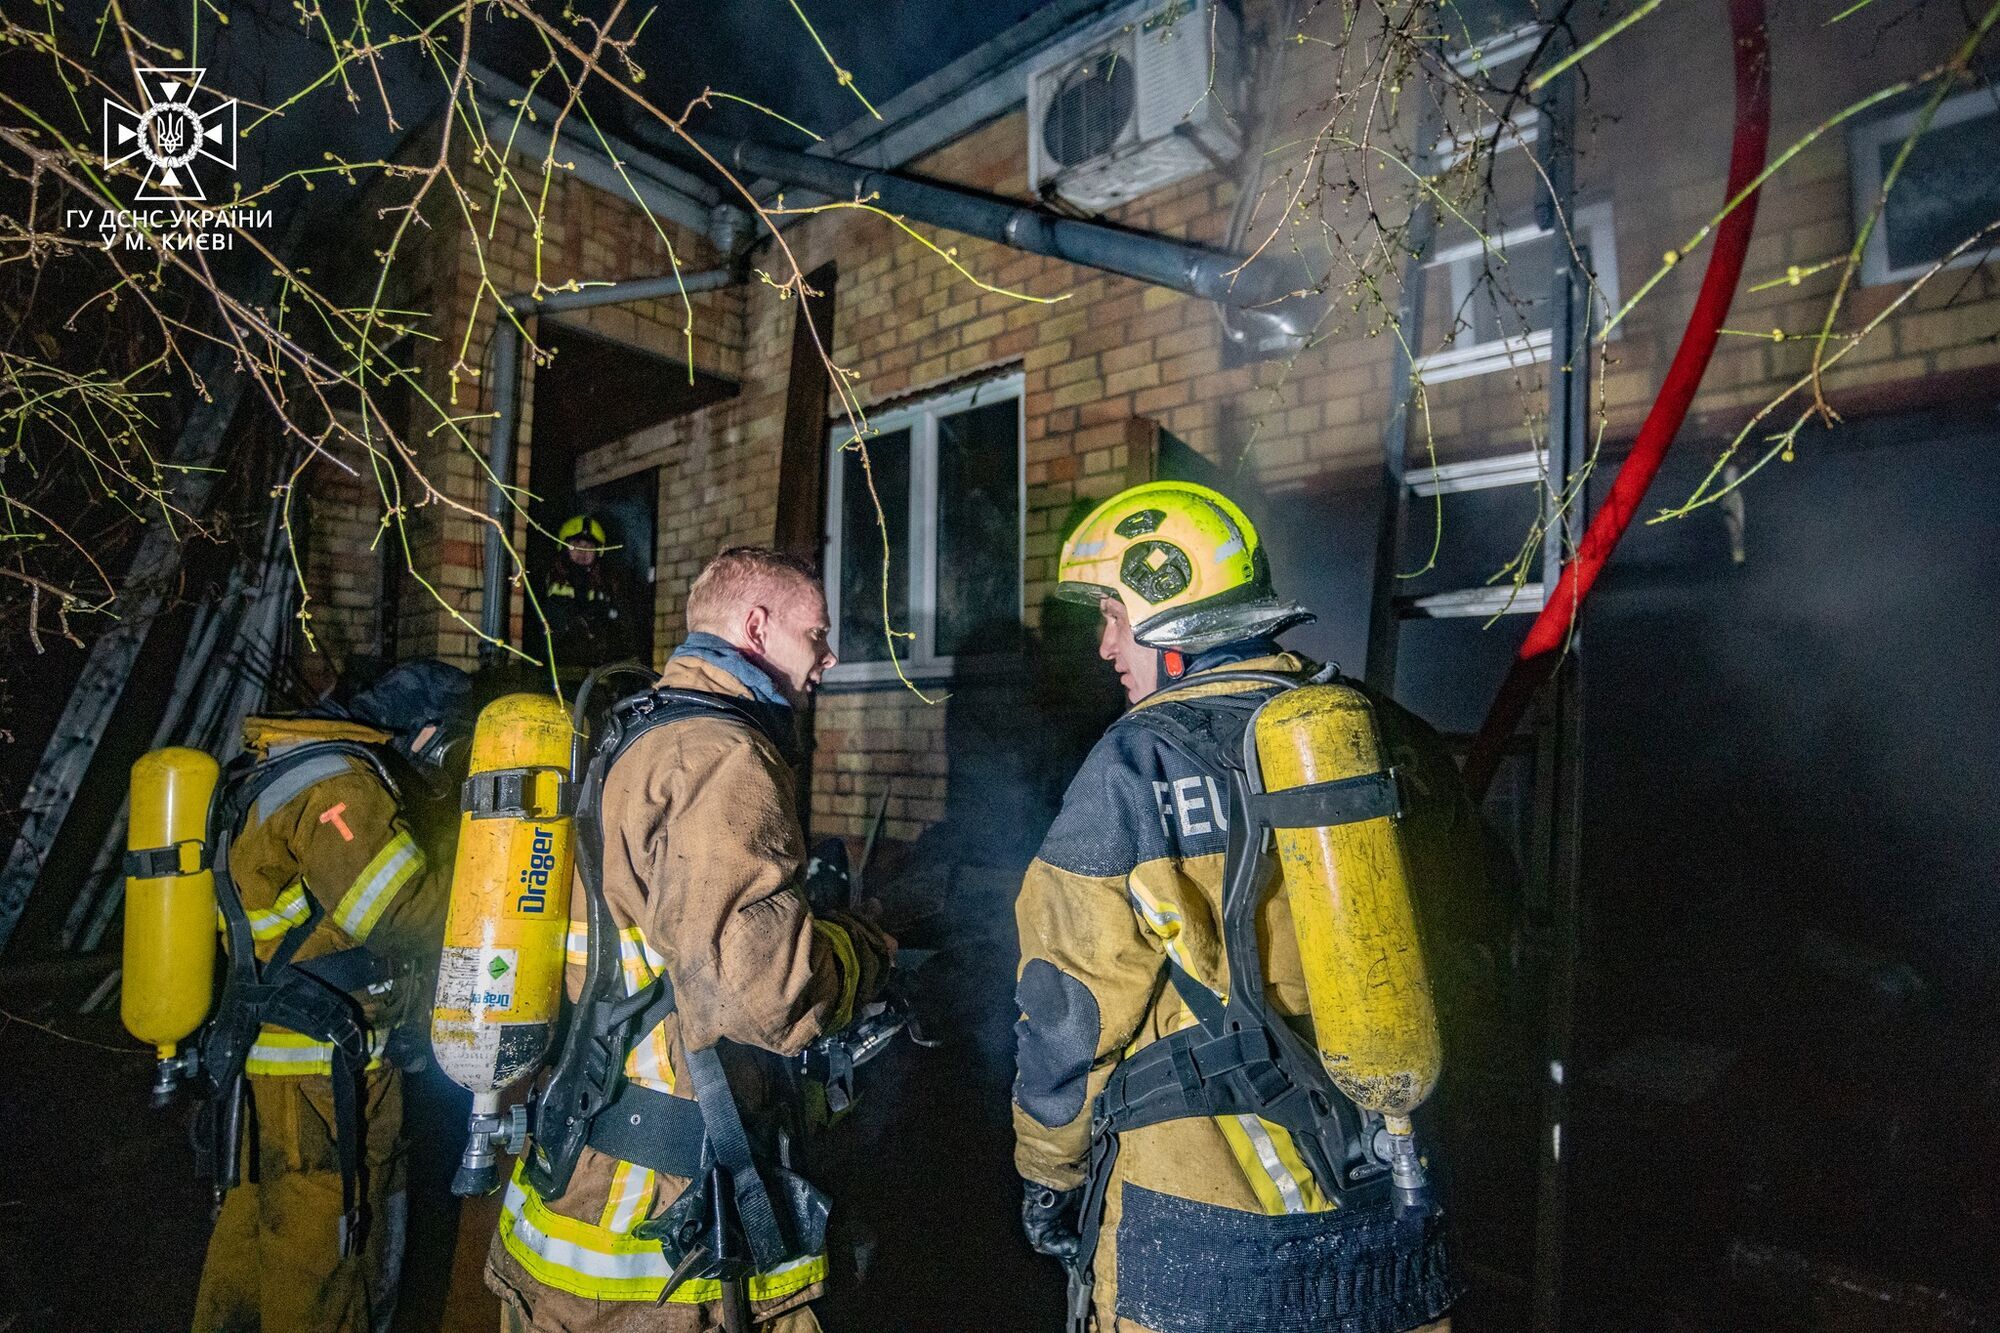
[1184,1218]
[584,597]
[343,909]
[687,821]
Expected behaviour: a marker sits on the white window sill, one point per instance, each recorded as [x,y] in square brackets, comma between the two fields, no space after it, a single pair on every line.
[861,676]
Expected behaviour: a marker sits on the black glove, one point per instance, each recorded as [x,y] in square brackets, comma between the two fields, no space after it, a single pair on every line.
[828,882]
[1049,1217]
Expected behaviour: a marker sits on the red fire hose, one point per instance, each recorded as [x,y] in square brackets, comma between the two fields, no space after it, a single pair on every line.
[1540,652]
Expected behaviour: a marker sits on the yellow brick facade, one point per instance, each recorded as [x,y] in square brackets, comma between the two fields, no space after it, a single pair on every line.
[1655,137]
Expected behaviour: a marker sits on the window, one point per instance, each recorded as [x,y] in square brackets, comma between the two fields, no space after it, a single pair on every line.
[1495,295]
[949,475]
[1946,192]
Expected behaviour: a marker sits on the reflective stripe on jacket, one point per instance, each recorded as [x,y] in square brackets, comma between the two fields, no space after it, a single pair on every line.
[605,1263]
[328,834]
[702,848]
[282,1051]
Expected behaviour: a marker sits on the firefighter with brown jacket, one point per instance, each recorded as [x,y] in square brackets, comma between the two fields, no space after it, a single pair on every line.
[722,971]
[342,908]
[1147,1126]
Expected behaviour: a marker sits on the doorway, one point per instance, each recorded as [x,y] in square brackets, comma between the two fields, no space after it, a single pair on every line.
[628,507]
[593,392]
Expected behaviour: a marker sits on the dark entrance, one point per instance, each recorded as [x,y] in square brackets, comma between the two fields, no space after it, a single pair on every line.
[596,390]
[628,508]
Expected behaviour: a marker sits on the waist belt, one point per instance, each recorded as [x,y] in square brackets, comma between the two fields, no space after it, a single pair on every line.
[1191,1074]
[354,970]
[655,1130]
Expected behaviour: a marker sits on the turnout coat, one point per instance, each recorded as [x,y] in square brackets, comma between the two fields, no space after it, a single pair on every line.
[702,852]
[1211,1224]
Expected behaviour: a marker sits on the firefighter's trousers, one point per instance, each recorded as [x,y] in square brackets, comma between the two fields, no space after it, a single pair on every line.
[800,1320]
[274,1262]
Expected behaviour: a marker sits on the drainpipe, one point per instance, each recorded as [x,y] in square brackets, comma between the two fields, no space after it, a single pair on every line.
[1276,289]
[507,411]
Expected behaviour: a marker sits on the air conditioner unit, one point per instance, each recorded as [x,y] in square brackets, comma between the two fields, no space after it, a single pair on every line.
[1146,100]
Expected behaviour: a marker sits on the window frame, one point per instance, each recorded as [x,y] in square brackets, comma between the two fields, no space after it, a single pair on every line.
[921,659]
[1864,175]
[1596,232]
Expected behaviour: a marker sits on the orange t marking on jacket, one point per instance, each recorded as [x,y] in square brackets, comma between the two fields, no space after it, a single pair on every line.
[332,817]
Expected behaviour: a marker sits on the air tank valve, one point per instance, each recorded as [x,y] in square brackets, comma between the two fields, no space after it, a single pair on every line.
[493,1132]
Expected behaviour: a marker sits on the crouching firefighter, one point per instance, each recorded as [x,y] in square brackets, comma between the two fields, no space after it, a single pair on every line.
[1224,1020]
[329,915]
[657,1190]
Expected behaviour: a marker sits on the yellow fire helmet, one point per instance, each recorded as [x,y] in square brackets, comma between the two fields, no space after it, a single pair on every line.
[1185,561]
[581,525]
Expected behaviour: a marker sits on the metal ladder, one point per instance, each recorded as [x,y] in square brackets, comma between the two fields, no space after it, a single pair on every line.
[142,597]
[1553,470]
[1552,845]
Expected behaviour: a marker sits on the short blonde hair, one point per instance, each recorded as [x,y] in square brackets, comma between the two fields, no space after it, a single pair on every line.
[746,576]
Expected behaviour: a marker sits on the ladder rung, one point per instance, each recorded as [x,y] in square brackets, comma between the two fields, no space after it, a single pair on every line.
[1502,599]
[1478,474]
[1497,49]
[1522,128]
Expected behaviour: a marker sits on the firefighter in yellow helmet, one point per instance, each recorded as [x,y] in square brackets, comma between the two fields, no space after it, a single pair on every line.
[584,600]
[1147,1170]
[331,913]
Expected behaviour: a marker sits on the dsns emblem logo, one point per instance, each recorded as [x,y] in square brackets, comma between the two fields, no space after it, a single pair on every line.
[541,863]
[176,128]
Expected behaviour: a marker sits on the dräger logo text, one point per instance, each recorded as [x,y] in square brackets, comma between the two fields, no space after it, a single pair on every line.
[541,861]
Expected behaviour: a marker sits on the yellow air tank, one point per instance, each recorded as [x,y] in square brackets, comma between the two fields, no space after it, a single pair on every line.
[1374,1023]
[500,978]
[170,930]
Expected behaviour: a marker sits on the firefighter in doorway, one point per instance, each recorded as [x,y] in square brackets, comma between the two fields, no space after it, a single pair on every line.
[1147,1126]
[585,598]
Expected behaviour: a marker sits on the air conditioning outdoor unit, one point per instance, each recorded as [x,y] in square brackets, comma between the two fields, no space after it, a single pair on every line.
[1145,100]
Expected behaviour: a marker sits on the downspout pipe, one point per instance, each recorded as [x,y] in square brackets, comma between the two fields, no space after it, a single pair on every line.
[493,599]
[1279,286]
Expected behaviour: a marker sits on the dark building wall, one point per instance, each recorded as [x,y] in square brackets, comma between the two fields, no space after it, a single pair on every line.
[1790,989]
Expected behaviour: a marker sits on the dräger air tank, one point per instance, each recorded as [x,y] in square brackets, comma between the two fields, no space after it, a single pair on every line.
[1374,1022]
[500,978]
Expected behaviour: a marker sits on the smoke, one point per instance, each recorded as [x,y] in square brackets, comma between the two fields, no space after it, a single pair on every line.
[761,51]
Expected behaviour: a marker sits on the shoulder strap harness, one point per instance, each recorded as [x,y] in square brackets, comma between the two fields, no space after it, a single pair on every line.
[316,999]
[1241,1058]
[588,1101]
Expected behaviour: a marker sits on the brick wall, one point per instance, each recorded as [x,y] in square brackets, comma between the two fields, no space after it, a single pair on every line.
[1654,141]
[454,275]
[1114,350]
[341,564]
